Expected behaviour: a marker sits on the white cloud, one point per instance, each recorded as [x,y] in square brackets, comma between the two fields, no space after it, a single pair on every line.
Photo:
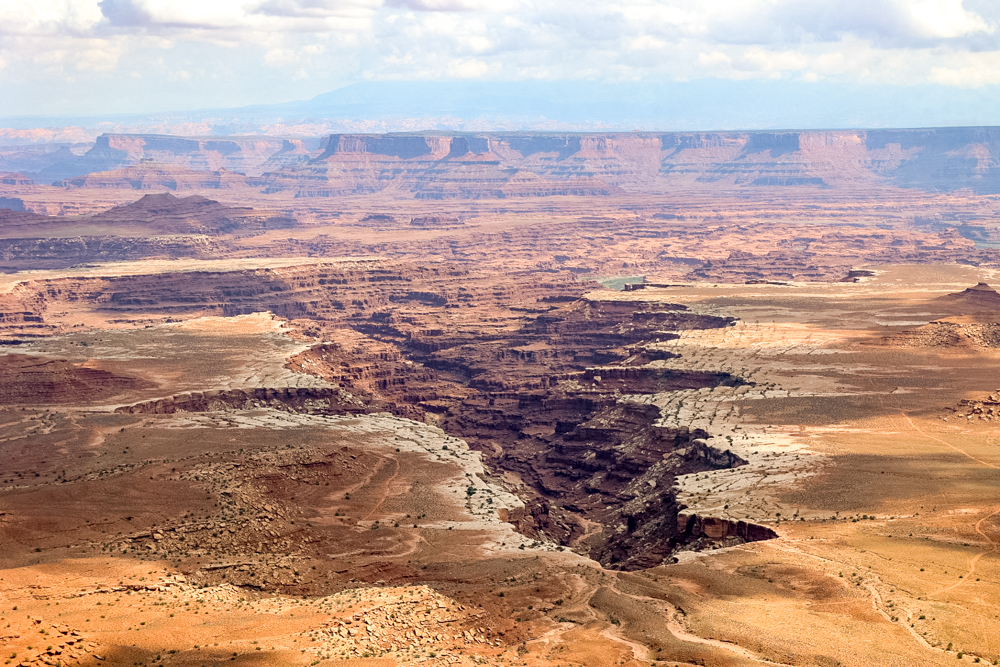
[945,19]
[950,42]
[964,77]
[280,57]
[972,70]
[468,69]
[439,5]
[48,16]
[102,56]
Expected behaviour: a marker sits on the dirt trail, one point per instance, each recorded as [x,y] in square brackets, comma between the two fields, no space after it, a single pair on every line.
[993,543]
[386,487]
[975,559]
[677,630]
[876,597]
[639,652]
[946,443]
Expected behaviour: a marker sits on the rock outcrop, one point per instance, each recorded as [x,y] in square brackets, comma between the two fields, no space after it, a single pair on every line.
[980,297]
[243,155]
[167,214]
[505,165]
[33,380]
[307,400]
[720,528]
[530,164]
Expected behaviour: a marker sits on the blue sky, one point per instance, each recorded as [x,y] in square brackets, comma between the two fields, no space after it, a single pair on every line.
[94,57]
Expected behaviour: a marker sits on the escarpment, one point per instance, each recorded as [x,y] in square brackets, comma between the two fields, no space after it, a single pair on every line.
[512,165]
[518,165]
[243,155]
[307,400]
[534,402]
[532,373]
[35,380]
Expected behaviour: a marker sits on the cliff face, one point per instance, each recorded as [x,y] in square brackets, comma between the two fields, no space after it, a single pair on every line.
[243,155]
[166,214]
[510,164]
[159,225]
[502,165]
[529,371]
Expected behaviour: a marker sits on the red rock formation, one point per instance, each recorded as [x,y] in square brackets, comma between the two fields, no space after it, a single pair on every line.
[156,177]
[166,214]
[500,165]
[978,298]
[720,528]
[243,155]
[511,367]
[32,380]
[309,400]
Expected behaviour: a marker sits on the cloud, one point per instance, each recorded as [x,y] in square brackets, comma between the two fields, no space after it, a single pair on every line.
[241,19]
[965,77]
[48,17]
[468,69]
[174,14]
[887,23]
[315,8]
[949,42]
[126,13]
[438,5]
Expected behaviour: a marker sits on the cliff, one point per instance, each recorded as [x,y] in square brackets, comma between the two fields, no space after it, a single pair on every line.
[505,165]
[502,165]
[243,155]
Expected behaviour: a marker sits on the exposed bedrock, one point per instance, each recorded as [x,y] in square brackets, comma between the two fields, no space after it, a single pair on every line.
[306,400]
[52,253]
[596,472]
[507,165]
[243,155]
[533,382]
[33,380]
[498,165]
[609,483]
[718,528]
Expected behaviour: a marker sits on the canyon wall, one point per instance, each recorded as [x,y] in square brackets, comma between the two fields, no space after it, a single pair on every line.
[241,154]
[530,164]
[503,165]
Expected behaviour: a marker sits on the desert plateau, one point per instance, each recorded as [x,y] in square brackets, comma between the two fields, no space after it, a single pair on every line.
[567,399]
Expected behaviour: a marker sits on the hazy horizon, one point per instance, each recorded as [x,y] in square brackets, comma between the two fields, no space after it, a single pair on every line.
[678,65]
[708,105]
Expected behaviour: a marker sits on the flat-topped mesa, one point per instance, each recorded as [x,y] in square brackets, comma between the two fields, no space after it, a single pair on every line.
[529,164]
[33,380]
[979,290]
[12,178]
[250,155]
[517,164]
[166,214]
[155,177]
[403,146]
[980,296]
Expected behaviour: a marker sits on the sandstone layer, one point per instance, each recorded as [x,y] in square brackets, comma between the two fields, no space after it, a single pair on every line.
[722,398]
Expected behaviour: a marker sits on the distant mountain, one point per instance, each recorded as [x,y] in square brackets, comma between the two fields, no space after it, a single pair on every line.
[708,104]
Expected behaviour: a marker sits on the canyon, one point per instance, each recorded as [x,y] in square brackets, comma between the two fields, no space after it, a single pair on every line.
[517,165]
[719,398]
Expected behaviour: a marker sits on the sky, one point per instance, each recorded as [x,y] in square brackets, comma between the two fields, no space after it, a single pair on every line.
[100,57]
